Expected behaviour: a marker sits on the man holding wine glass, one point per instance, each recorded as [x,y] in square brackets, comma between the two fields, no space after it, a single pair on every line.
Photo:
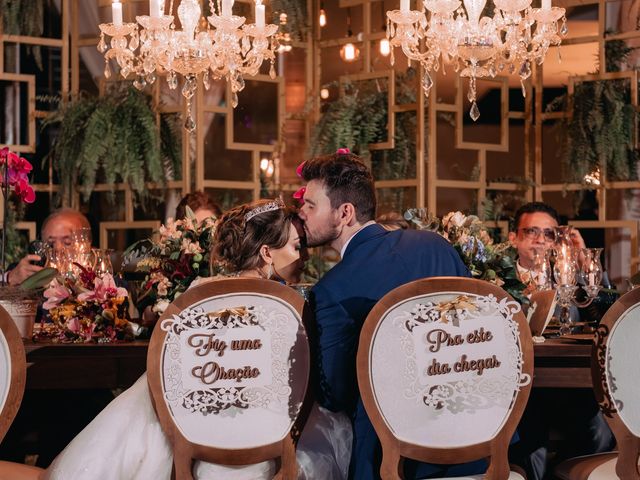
[59,231]
[574,413]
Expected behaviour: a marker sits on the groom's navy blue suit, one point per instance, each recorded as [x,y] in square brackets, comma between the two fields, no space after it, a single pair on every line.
[375,262]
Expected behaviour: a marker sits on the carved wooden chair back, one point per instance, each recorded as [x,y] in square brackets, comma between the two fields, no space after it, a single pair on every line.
[444,369]
[12,371]
[228,368]
[614,369]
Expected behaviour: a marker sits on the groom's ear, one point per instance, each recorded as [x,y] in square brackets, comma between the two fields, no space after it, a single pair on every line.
[348,214]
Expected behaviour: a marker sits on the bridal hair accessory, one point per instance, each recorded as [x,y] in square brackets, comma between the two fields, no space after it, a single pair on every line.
[343,151]
[277,204]
[299,194]
[299,169]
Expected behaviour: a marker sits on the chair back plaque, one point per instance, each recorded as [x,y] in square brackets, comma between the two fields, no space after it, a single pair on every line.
[615,361]
[444,368]
[12,371]
[228,368]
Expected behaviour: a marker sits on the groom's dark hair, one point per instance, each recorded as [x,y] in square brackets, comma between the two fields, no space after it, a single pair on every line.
[346,180]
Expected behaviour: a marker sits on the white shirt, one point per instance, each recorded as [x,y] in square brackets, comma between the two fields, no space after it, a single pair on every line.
[346,244]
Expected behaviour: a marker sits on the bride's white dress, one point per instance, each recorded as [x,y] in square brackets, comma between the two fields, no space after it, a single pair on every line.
[126,442]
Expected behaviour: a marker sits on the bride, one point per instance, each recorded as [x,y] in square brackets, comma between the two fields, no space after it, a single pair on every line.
[125,441]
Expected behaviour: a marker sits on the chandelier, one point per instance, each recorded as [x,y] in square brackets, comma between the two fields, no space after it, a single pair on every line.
[222,46]
[479,46]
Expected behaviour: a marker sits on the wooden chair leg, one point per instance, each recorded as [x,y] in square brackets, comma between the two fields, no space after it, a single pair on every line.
[391,468]
[289,463]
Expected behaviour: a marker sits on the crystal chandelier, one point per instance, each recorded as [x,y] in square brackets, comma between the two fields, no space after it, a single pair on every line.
[222,46]
[479,46]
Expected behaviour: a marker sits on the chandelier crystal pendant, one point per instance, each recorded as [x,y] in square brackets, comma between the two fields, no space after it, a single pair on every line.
[222,46]
[450,31]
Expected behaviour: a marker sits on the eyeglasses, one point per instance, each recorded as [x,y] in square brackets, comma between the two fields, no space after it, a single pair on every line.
[533,233]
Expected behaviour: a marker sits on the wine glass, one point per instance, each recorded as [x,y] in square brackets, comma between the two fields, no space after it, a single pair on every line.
[102,263]
[541,271]
[591,270]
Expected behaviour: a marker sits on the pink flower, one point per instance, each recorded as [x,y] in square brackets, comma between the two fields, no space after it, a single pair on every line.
[103,288]
[24,191]
[73,324]
[3,154]
[19,164]
[299,169]
[299,195]
[55,294]
[343,151]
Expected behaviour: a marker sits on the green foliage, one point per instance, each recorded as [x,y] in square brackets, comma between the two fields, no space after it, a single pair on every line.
[297,17]
[24,17]
[600,131]
[16,244]
[359,117]
[115,136]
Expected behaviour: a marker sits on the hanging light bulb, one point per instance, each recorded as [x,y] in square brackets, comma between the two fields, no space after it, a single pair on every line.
[324,93]
[349,52]
[385,47]
[322,19]
[264,164]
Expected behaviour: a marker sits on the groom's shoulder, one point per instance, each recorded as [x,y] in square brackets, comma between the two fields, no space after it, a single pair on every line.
[421,238]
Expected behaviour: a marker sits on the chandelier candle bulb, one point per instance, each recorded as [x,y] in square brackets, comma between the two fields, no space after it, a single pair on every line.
[227,6]
[259,15]
[405,5]
[116,13]
[546,4]
[155,8]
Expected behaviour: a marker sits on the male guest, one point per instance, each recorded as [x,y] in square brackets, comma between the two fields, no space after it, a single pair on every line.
[574,412]
[338,210]
[57,229]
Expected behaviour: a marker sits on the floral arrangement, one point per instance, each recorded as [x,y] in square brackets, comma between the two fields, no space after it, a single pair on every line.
[86,308]
[14,171]
[171,260]
[486,260]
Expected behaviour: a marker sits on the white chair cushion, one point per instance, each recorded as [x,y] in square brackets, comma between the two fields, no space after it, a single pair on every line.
[512,476]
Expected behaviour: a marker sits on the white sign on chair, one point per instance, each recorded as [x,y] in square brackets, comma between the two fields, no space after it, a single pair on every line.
[446,368]
[226,370]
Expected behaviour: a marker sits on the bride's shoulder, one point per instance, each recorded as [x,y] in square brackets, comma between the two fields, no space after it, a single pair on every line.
[201,280]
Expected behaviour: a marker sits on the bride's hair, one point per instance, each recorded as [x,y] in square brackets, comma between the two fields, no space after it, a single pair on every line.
[237,239]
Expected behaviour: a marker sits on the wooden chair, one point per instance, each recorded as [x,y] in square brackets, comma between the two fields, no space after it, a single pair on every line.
[614,370]
[444,370]
[228,369]
[13,373]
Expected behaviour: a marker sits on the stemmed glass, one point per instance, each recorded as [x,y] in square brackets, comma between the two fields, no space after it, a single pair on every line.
[541,271]
[102,263]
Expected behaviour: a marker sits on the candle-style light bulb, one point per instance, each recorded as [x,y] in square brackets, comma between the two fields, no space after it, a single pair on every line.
[155,8]
[322,19]
[405,5]
[116,13]
[259,15]
[227,6]
[546,4]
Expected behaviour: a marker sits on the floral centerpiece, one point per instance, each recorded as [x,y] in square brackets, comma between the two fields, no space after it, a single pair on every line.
[86,308]
[171,260]
[486,260]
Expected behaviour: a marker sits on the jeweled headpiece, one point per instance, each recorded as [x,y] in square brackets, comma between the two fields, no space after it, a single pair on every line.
[277,204]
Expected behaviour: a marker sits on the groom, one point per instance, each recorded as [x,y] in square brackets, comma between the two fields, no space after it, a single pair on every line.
[338,210]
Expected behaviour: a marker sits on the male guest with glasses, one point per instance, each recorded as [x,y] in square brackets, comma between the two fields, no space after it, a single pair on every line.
[573,412]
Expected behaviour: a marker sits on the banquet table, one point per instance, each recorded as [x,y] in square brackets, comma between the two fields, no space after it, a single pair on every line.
[559,363]
[84,366]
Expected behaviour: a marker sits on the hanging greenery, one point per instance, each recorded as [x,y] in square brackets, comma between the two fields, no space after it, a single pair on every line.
[24,17]
[358,118]
[600,131]
[114,136]
[297,25]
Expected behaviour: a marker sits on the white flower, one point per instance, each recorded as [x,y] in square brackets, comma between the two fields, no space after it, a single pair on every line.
[190,247]
[160,306]
[454,219]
